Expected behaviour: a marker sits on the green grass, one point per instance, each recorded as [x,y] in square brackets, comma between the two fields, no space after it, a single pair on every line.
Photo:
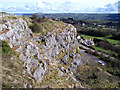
[116,42]
[6,48]
[109,28]
[101,49]
[97,48]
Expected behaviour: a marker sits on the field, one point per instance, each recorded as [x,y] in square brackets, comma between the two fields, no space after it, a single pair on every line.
[115,42]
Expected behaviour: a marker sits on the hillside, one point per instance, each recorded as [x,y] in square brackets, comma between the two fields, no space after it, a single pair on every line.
[47,56]
[42,55]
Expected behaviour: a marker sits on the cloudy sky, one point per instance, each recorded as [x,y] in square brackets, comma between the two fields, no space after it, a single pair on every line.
[54,5]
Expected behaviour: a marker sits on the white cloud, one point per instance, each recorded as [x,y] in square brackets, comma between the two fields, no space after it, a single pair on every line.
[40,4]
[57,5]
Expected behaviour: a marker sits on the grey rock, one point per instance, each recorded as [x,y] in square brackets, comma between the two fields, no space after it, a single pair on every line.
[60,73]
[3,37]
[22,57]
[20,49]
[15,81]
[56,50]
[23,73]
[25,85]
[11,46]
[39,73]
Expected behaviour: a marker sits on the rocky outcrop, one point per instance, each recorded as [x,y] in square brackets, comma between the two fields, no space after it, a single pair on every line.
[59,46]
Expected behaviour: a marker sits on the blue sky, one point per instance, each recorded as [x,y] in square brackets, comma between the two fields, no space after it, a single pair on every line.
[53,5]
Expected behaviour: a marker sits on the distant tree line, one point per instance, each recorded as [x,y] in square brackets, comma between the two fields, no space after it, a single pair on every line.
[98,32]
[116,36]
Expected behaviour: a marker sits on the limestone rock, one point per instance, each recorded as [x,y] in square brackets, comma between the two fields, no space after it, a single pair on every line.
[57,47]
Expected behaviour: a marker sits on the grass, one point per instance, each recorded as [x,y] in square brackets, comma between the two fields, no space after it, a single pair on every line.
[95,77]
[6,48]
[52,79]
[109,28]
[101,49]
[46,26]
[12,69]
[77,50]
[11,65]
[116,42]
[61,55]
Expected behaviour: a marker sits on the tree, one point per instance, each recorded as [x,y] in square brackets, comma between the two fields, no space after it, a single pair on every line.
[34,16]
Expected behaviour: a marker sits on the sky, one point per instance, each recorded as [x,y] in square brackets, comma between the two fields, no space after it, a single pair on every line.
[53,5]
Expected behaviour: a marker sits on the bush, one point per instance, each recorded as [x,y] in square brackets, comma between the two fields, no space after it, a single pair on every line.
[36,28]
[14,18]
[116,36]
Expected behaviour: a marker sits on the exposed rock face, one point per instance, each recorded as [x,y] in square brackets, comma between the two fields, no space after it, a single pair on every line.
[57,46]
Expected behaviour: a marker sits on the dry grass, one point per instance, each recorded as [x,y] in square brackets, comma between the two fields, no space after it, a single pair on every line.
[61,54]
[52,79]
[46,26]
[95,77]
[12,70]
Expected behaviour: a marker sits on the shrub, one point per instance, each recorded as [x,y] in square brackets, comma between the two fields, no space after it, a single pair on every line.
[36,28]
[14,18]
[116,36]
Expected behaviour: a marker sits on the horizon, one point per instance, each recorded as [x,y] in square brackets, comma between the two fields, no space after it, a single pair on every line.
[62,13]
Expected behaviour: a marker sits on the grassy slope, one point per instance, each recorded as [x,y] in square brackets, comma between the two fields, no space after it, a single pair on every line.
[12,69]
[44,27]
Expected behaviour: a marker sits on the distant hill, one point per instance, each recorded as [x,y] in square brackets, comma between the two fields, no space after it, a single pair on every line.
[80,16]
